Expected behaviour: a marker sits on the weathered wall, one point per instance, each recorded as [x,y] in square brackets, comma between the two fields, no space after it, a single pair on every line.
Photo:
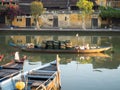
[64,21]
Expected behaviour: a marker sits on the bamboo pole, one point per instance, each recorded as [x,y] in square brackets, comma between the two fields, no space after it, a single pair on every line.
[58,70]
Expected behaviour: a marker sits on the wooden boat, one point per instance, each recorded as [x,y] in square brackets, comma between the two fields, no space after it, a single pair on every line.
[95,50]
[10,69]
[70,50]
[46,77]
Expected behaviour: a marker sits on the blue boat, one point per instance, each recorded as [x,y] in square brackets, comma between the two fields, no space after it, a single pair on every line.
[44,77]
[10,70]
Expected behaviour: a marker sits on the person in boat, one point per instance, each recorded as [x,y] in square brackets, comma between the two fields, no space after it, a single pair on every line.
[77,47]
[87,46]
[30,45]
[17,57]
[84,47]
[23,58]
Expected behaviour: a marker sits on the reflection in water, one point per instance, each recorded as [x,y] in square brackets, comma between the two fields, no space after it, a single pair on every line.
[6,49]
[96,61]
[77,71]
[92,40]
[30,65]
[80,40]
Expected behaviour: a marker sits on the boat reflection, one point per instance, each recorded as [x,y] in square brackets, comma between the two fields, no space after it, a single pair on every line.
[98,60]
[94,55]
[89,58]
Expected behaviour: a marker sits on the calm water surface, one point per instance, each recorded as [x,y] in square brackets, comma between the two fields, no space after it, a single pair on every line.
[78,72]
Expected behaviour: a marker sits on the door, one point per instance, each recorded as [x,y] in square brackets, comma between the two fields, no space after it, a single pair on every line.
[2,19]
[28,22]
[94,23]
[55,21]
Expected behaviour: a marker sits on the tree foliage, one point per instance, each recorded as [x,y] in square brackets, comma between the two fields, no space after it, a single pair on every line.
[12,11]
[36,8]
[85,5]
[108,12]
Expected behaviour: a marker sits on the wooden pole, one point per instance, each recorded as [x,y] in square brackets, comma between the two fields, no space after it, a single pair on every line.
[58,70]
[57,62]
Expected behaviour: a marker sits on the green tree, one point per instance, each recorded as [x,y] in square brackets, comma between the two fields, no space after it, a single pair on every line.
[36,10]
[86,7]
[109,13]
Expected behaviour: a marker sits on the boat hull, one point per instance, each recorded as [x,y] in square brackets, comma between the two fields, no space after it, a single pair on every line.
[7,72]
[69,50]
[77,51]
[49,81]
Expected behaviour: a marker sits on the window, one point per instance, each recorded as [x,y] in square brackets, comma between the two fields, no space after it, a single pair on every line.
[19,19]
[50,19]
[65,18]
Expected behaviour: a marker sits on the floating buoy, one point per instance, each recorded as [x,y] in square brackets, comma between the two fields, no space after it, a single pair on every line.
[20,85]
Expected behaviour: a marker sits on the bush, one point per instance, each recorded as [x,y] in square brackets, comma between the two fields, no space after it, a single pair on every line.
[108,12]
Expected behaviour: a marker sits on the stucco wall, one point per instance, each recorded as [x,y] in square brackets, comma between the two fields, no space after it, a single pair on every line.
[64,21]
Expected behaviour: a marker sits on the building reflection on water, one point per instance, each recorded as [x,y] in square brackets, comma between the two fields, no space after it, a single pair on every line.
[77,70]
[76,40]
[97,61]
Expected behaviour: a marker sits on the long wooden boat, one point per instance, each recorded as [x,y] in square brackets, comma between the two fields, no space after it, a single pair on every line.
[9,70]
[46,77]
[72,50]
[95,50]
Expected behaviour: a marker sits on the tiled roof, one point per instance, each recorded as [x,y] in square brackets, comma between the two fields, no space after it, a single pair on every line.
[25,9]
[25,1]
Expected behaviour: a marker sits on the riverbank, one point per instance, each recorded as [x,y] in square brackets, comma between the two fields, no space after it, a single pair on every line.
[58,31]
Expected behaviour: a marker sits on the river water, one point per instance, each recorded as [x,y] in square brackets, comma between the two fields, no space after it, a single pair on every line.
[78,71]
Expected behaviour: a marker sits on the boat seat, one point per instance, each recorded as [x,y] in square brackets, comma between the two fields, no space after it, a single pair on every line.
[16,68]
[37,77]
[41,73]
[7,75]
[47,71]
[36,83]
[8,72]
[2,73]
[49,68]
